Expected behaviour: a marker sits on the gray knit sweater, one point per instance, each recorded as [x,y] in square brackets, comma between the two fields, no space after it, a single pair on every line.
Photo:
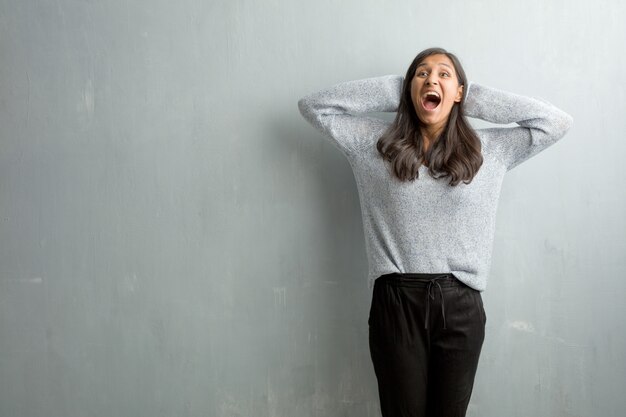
[428,225]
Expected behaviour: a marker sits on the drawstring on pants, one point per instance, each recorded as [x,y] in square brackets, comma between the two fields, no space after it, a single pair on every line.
[423,280]
[429,296]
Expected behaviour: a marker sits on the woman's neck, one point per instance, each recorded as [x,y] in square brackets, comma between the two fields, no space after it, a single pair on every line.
[430,134]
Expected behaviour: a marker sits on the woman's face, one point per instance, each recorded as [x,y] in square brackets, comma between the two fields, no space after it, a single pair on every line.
[435,73]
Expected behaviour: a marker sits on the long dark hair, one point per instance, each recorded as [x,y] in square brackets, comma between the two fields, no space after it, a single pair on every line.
[455,153]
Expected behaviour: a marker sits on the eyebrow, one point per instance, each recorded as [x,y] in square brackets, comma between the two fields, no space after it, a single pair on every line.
[441,63]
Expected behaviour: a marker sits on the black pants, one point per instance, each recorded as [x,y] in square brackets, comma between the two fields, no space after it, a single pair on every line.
[425,334]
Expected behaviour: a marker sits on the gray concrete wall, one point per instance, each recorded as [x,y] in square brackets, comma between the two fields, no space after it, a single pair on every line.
[177,241]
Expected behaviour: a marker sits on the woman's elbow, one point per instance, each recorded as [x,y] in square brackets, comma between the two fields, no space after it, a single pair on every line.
[565,123]
[308,108]
[303,106]
[560,123]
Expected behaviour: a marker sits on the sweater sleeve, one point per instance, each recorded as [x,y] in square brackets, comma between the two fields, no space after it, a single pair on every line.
[330,110]
[541,124]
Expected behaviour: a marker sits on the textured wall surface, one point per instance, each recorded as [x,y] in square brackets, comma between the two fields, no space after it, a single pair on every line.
[177,241]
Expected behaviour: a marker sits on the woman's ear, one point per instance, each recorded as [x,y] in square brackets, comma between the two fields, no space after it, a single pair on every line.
[459,94]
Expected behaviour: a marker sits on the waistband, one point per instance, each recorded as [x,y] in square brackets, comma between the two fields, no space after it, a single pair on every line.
[418,279]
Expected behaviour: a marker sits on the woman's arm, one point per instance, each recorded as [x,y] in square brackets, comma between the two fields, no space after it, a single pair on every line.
[329,110]
[541,124]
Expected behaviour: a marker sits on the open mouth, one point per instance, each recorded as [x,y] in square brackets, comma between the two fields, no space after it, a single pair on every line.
[431,102]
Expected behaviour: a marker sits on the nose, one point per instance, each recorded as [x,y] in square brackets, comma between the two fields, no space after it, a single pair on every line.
[430,80]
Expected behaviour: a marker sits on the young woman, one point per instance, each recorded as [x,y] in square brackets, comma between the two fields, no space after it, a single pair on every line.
[429,186]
